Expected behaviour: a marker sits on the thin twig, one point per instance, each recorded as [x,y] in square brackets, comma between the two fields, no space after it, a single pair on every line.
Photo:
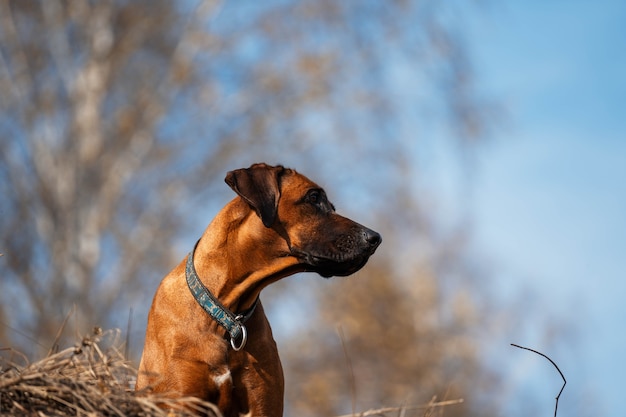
[350,369]
[57,338]
[556,407]
[128,328]
[382,411]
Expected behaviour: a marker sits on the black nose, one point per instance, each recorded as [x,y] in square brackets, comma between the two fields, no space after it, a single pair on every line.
[372,238]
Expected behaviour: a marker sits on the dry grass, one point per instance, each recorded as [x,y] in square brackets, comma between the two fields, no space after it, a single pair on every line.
[94,379]
[429,409]
[89,379]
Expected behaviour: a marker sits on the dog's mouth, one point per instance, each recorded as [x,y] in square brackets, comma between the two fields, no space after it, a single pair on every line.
[334,264]
[327,270]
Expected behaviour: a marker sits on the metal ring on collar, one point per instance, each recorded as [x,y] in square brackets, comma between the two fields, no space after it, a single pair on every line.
[244,339]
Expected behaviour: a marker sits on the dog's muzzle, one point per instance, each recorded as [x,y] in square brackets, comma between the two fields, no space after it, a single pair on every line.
[344,256]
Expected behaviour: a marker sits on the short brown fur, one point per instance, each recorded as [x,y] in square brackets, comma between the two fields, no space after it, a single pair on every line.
[280,224]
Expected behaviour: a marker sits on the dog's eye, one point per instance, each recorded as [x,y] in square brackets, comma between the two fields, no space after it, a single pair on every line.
[318,199]
[314,197]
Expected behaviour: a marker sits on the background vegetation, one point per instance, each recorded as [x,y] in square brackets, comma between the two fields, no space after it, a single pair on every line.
[119,120]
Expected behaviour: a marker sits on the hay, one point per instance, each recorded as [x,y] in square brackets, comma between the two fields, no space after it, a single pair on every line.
[94,379]
[89,379]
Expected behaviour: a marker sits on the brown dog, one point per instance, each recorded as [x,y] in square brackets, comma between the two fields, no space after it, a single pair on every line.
[281,224]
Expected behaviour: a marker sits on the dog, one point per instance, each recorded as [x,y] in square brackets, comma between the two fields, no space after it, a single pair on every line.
[207,334]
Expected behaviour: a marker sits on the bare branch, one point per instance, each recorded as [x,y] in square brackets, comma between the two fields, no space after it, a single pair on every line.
[557,368]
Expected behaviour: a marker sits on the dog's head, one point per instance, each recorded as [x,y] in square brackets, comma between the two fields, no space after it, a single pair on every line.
[300,212]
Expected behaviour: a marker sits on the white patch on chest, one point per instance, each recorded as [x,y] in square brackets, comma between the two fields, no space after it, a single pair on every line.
[246,415]
[220,379]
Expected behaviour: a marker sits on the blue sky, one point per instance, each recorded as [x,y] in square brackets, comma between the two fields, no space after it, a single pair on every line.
[549,198]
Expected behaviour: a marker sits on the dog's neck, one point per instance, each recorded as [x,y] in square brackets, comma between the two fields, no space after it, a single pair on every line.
[234,265]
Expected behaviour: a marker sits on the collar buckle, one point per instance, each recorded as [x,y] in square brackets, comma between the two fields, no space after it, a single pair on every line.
[244,335]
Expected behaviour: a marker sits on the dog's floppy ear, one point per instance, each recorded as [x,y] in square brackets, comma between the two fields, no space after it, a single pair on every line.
[259,187]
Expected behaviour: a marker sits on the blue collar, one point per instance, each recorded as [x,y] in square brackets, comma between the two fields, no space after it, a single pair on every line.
[227,319]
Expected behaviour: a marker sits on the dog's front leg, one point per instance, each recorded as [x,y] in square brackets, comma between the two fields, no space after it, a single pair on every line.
[257,372]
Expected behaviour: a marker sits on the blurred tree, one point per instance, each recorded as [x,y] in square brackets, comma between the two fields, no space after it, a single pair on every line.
[395,336]
[88,171]
[120,117]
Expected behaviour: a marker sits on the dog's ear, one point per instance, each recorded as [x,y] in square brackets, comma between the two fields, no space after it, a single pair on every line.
[258,186]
